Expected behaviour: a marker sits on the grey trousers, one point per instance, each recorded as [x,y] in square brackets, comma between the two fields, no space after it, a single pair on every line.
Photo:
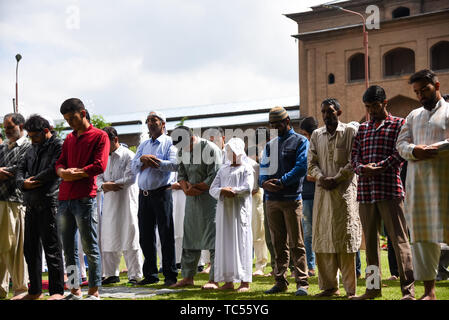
[189,263]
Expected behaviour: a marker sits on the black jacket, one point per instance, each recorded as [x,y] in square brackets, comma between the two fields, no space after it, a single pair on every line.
[39,161]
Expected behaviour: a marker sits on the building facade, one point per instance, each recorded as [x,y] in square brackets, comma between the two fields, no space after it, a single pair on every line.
[412,35]
[132,129]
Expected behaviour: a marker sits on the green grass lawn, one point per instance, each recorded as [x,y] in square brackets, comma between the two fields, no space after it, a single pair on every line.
[390,291]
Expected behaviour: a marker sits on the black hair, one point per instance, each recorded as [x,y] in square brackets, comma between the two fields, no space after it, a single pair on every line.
[72,105]
[332,102]
[177,135]
[112,133]
[309,125]
[424,75]
[219,129]
[17,118]
[374,94]
[36,123]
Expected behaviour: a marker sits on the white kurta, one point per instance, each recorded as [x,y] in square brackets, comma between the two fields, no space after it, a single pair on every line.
[233,239]
[119,224]
[427,188]
[179,205]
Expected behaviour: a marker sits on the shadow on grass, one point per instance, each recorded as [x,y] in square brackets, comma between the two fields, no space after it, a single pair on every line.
[390,290]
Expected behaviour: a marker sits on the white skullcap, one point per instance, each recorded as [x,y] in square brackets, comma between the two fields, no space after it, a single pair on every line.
[158,114]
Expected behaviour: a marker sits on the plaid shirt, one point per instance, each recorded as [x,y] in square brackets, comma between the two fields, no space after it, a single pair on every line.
[378,145]
[9,160]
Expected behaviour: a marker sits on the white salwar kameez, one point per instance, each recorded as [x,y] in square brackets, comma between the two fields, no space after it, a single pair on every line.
[233,238]
[119,224]
[179,205]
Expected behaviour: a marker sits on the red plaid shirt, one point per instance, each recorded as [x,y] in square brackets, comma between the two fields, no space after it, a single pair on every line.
[378,145]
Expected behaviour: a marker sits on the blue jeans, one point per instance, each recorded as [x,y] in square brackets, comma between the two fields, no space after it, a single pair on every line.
[80,214]
[358,264]
[307,210]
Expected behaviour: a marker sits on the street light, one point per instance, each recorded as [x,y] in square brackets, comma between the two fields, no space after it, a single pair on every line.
[18,57]
[365,41]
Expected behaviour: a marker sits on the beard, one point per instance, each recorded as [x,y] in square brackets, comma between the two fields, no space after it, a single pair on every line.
[331,122]
[430,103]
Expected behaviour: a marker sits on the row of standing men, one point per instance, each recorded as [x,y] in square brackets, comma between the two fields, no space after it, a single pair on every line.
[348,165]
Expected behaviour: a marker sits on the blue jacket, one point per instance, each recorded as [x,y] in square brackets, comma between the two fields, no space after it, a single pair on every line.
[291,163]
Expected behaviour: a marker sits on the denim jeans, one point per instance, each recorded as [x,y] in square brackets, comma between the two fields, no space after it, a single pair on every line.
[307,210]
[80,214]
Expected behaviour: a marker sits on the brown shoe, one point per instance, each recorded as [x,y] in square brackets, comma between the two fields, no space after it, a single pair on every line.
[408,297]
[368,295]
[328,293]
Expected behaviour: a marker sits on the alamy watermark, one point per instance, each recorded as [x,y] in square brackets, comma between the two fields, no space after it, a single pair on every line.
[373,18]
[73,19]
[372,277]
[73,277]
[255,141]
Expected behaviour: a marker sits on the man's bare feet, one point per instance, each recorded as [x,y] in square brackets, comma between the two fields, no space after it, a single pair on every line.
[56,297]
[429,290]
[93,292]
[244,287]
[183,283]
[207,269]
[210,286]
[428,297]
[258,273]
[29,297]
[330,293]
[227,286]
[19,296]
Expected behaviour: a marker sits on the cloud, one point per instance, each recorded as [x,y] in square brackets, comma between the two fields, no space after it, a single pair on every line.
[128,55]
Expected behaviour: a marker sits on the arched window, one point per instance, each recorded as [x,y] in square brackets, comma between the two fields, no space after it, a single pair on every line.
[357,67]
[331,78]
[399,61]
[440,56]
[401,12]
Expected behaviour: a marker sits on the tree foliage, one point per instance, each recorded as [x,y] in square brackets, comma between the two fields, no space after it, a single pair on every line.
[181,123]
[98,121]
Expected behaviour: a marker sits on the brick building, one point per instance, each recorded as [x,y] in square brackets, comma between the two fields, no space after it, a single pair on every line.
[412,35]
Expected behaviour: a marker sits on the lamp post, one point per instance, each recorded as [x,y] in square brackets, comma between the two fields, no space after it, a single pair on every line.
[16,108]
[365,42]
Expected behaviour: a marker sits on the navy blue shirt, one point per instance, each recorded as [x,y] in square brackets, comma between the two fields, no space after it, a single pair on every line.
[290,165]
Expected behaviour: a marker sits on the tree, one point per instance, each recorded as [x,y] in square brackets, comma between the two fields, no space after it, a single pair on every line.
[98,121]
[181,123]
[2,130]
[59,128]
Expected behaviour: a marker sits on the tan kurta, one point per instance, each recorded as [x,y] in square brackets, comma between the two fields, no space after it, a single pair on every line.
[336,223]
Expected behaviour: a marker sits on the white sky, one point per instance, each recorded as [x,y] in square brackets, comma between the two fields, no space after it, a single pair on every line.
[123,56]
